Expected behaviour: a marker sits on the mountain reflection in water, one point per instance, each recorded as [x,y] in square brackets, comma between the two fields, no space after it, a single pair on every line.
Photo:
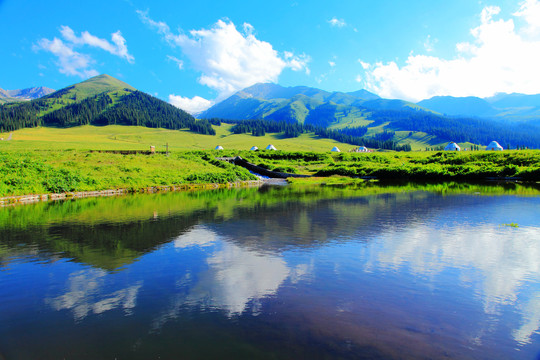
[352,272]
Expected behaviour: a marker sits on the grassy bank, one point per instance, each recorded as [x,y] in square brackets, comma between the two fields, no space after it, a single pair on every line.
[54,171]
[419,166]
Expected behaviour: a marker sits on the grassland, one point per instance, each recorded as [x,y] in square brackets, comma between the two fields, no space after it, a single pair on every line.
[418,166]
[117,137]
[49,160]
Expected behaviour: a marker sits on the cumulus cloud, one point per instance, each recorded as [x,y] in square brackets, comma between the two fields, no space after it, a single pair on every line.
[72,62]
[337,22]
[194,106]
[228,59]
[501,58]
[530,12]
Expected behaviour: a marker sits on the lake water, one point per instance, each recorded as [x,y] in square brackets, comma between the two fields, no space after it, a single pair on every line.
[366,272]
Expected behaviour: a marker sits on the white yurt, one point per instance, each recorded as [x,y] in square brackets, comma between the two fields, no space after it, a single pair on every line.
[335,149]
[271,147]
[494,146]
[362,149]
[219,147]
[452,146]
[254,148]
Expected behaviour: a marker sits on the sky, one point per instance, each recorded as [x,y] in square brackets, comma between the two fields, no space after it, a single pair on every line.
[197,53]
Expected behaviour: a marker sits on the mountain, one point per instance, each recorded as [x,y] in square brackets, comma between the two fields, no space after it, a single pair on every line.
[503,101]
[303,104]
[503,107]
[364,94]
[23,94]
[429,123]
[454,106]
[101,100]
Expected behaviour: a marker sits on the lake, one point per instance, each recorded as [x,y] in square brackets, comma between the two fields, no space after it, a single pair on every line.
[447,271]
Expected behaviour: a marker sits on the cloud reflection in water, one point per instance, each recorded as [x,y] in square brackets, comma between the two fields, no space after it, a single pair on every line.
[506,259]
[234,278]
[84,295]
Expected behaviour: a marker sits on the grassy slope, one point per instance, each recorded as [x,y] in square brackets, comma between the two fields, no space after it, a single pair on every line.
[96,85]
[4,100]
[117,137]
[91,87]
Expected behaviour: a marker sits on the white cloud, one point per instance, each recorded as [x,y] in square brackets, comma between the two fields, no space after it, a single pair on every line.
[118,47]
[337,22]
[365,65]
[230,60]
[530,12]
[429,44]
[331,63]
[500,59]
[358,78]
[178,62]
[71,62]
[194,106]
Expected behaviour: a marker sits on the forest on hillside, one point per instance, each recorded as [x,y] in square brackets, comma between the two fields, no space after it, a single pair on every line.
[458,129]
[135,108]
[353,136]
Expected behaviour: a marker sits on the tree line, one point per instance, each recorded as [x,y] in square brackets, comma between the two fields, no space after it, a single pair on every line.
[353,136]
[457,129]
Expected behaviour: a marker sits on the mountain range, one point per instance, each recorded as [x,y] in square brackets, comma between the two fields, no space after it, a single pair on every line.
[303,104]
[511,119]
[514,107]
[23,94]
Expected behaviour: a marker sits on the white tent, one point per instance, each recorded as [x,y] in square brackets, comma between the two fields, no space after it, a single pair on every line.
[494,146]
[362,149]
[219,147]
[452,146]
[271,147]
[335,149]
[254,148]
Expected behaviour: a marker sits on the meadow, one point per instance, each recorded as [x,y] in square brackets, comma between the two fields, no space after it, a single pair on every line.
[117,137]
[51,160]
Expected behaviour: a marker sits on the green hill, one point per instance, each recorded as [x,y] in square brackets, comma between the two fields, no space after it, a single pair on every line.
[382,119]
[101,100]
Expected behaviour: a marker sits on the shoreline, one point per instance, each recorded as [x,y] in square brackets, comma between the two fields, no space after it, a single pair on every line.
[35,198]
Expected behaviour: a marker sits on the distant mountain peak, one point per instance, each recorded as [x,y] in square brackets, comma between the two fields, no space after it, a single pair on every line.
[24,94]
[364,94]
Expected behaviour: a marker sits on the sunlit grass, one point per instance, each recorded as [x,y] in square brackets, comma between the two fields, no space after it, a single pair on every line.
[116,137]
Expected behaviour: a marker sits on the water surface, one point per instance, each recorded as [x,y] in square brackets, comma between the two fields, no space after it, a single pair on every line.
[367,272]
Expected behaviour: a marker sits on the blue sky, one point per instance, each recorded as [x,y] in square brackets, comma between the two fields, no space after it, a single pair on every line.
[195,53]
